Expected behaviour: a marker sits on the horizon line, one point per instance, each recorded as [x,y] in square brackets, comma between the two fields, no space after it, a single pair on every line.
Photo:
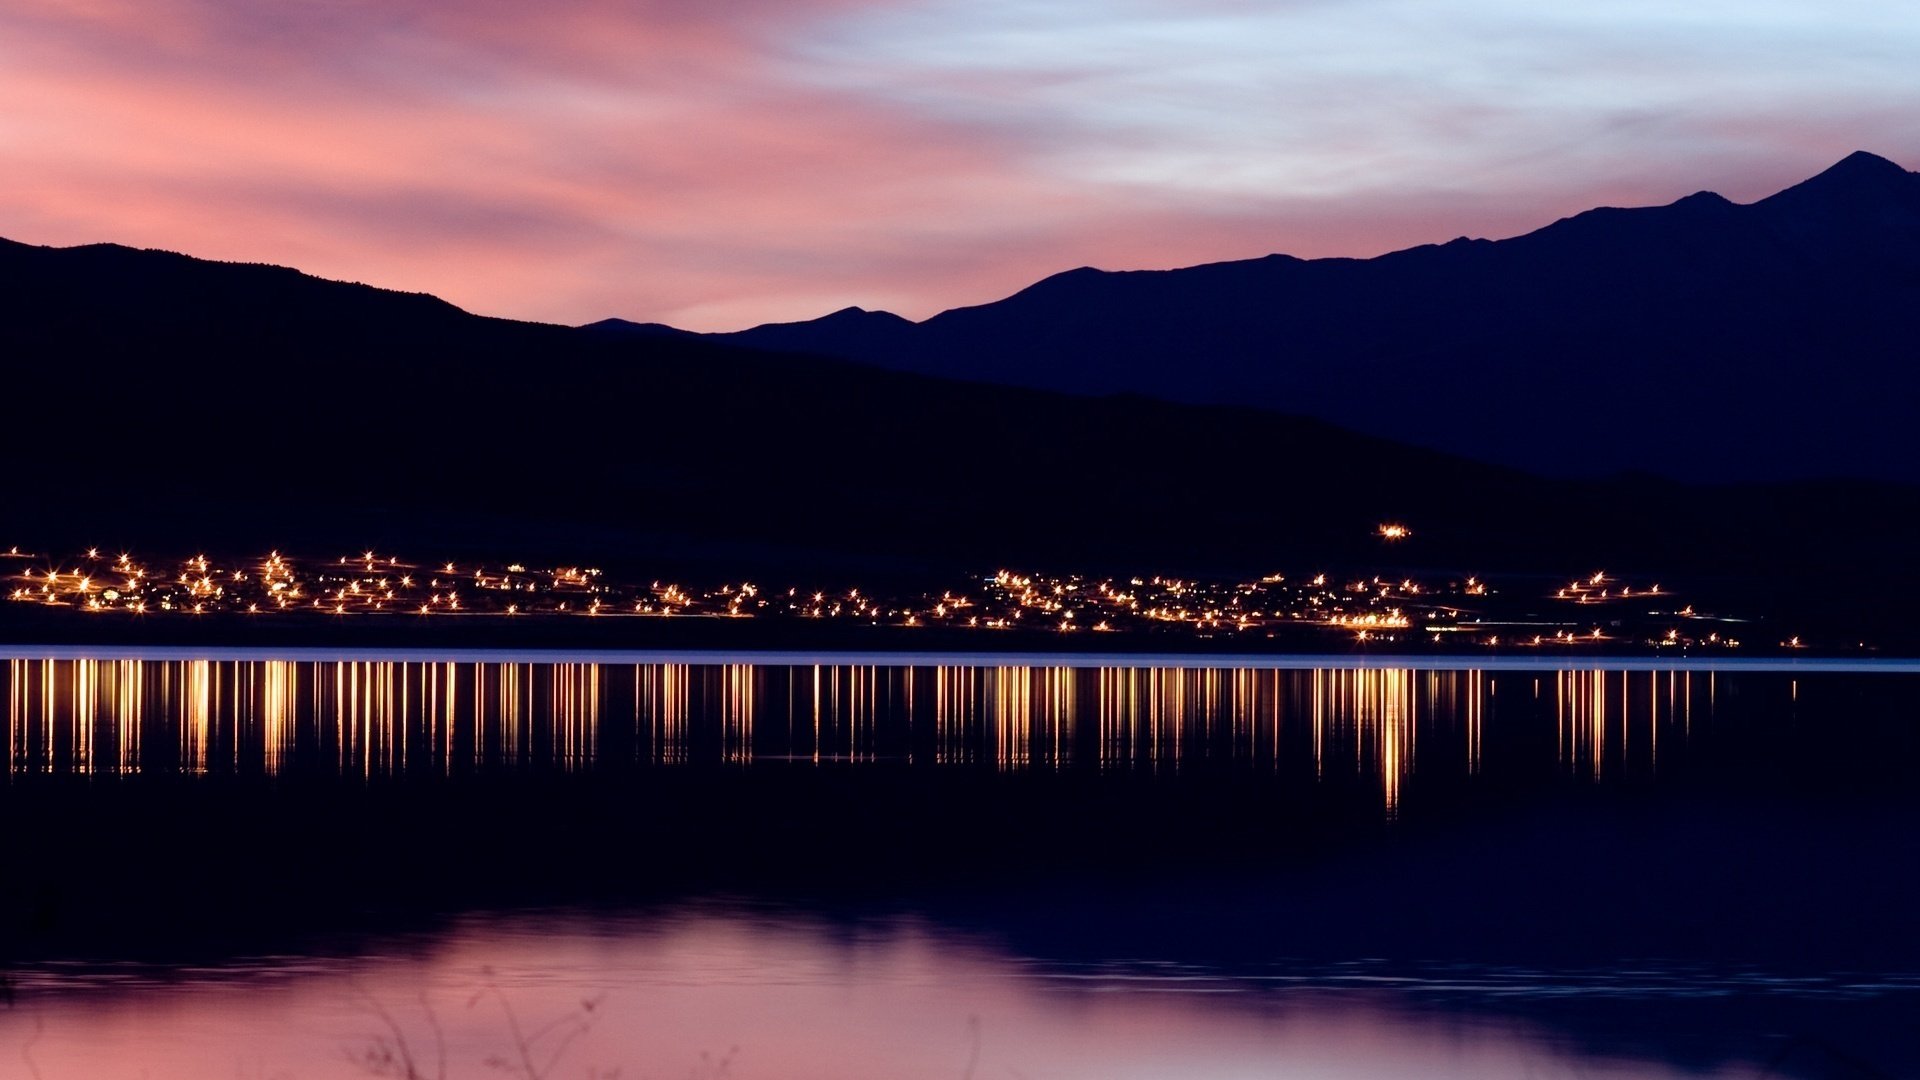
[961,658]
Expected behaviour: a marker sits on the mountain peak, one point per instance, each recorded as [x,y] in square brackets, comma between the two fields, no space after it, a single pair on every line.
[1705,200]
[627,329]
[862,315]
[1860,162]
[1855,176]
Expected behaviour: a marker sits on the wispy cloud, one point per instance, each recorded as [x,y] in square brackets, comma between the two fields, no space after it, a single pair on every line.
[716,165]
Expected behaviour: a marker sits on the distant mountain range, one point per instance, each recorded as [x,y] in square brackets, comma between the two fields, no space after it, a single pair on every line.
[1702,340]
[155,400]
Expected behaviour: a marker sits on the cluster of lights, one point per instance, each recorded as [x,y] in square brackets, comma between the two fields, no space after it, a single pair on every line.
[1372,608]
[1660,620]
[374,583]
[367,583]
[1363,608]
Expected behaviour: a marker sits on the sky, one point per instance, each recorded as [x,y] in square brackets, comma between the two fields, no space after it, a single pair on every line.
[719,164]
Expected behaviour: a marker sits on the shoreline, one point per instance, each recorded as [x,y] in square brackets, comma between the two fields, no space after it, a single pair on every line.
[869,657]
[702,639]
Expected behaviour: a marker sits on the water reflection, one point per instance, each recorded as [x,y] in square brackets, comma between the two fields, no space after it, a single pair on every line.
[1180,976]
[710,994]
[108,717]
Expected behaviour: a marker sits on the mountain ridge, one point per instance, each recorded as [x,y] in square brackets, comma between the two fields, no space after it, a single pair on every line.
[215,403]
[158,400]
[1766,340]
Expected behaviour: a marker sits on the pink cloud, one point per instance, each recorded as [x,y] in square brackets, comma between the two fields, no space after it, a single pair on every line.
[718,165]
[536,193]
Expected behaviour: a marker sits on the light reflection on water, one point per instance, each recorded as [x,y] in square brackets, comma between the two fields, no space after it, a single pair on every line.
[804,998]
[678,995]
[106,717]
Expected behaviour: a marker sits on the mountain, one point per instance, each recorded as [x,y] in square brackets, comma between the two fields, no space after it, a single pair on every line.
[1702,340]
[155,398]
[159,401]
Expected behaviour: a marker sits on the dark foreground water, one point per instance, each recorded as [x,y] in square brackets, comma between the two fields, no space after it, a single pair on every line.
[467,867]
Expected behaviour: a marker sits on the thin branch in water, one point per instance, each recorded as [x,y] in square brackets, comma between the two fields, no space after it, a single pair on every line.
[26,1048]
[392,1054]
[569,1027]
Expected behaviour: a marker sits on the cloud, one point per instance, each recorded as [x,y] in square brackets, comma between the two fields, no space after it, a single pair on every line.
[717,165]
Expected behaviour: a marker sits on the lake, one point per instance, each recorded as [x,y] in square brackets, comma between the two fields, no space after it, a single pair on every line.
[336,864]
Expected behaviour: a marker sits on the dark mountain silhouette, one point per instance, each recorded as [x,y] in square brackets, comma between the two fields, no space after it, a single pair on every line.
[1699,340]
[623,328]
[151,395]
[153,399]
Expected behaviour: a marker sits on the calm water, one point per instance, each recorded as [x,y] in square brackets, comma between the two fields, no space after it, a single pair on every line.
[746,995]
[395,719]
[1043,983]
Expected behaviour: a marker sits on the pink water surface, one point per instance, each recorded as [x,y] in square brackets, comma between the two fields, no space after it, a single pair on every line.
[713,994]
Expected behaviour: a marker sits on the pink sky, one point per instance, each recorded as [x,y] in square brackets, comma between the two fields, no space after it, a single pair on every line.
[719,165]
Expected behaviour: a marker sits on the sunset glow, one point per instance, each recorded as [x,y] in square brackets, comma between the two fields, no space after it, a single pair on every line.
[719,166]
[914,539]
